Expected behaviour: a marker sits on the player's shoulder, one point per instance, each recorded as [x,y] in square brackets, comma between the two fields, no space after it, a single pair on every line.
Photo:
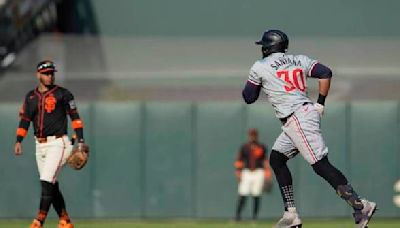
[261,144]
[30,92]
[30,95]
[63,90]
[302,57]
[244,146]
[259,64]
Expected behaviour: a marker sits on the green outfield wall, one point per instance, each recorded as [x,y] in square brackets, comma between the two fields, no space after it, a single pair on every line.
[175,160]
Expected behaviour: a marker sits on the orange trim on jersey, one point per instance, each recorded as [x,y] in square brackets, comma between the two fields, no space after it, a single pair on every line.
[22,132]
[25,118]
[239,165]
[77,124]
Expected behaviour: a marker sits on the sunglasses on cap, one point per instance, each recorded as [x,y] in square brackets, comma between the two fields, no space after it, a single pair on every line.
[46,67]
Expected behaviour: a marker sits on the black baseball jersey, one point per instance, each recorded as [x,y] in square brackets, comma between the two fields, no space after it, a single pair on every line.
[48,113]
[251,156]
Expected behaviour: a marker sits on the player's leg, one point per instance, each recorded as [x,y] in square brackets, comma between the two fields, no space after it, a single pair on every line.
[256,191]
[59,205]
[304,130]
[55,155]
[59,202]
[241,201]
[41,152]
[256,206]
[244,191]
[282,151]
[363,209]
[47,196]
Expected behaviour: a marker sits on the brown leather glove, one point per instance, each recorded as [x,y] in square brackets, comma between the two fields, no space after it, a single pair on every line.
[79,156]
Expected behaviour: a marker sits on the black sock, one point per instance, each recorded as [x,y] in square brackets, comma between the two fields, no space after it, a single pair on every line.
[330,173]
[239,207]
[59,204]
[256,206]
[347,193]
[339,182]
[283,177]
[46,199]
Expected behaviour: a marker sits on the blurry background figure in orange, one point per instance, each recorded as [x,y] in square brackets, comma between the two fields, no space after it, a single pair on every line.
[252,172]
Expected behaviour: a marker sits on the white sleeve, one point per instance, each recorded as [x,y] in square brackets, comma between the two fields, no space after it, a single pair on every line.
[254,77]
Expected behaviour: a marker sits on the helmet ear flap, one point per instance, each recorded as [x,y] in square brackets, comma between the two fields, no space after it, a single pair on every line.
[265,51]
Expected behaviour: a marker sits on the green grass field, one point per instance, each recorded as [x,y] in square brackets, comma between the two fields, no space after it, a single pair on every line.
[378,223]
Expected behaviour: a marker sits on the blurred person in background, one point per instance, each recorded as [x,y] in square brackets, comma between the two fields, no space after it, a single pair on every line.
[252,172]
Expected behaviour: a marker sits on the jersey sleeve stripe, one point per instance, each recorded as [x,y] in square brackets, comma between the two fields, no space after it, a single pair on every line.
[77,124]
[312,67]
[239,165]
[22,132]
[253,82]
[25,118]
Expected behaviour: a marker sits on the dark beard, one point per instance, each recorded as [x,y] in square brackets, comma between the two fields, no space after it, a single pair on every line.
[49,85]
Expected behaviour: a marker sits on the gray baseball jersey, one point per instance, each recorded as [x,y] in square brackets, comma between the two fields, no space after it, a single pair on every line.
[283,79]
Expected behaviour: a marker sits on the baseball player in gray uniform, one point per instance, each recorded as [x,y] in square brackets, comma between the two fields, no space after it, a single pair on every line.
[283,78]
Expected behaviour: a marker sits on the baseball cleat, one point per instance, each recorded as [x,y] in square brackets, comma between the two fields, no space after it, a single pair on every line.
[65,224]
[35,224]
[362,218]
[290,219]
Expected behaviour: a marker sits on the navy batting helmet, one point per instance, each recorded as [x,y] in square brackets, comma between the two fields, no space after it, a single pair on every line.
[274,41]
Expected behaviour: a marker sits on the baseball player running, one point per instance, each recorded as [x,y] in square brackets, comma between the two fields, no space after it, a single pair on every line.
[282,77]
[252,172]
[47,107]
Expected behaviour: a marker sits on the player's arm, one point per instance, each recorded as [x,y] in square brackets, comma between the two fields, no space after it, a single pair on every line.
[239,165]
[267,168]
[324,75]
[26,115]
[251,92]
[72,111]
[252,88]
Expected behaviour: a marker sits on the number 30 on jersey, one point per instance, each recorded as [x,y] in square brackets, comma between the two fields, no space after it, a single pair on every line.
[293,78]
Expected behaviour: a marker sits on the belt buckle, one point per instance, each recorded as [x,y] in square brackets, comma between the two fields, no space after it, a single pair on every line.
[42,140]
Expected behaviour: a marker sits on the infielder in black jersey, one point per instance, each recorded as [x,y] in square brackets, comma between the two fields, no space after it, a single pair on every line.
[47,107]
[252,172]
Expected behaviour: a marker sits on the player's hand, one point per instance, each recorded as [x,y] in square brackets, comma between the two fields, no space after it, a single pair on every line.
[238,176]
[319,108]
[80,146]
[18,148]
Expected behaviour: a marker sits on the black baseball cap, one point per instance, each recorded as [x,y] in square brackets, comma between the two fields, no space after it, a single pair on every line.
[46,66]
[253,132]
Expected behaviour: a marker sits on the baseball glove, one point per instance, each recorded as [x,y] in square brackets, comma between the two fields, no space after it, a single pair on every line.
[79,157]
